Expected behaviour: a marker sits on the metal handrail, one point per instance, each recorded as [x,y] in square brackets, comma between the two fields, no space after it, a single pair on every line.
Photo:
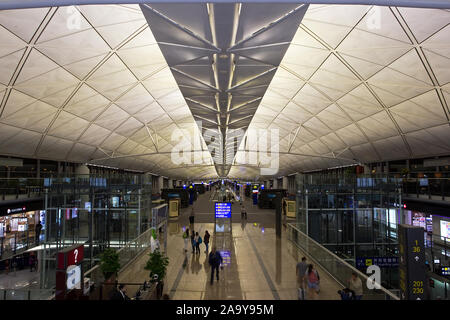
[345,263]
[126,245]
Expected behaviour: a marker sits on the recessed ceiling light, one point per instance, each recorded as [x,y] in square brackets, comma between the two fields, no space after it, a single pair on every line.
[223,56]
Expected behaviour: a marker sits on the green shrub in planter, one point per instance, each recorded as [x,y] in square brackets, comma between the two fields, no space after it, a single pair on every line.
[157,264]
[109,262]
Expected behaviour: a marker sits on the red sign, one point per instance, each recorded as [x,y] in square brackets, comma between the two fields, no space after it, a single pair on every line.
[73,255]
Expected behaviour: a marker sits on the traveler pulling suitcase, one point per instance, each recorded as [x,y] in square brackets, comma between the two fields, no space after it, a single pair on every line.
[301,294]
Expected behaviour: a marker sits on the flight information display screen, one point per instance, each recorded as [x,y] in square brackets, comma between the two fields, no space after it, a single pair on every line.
[223,210]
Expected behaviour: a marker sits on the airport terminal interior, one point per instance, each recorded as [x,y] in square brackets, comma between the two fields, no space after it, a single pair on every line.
[223,150]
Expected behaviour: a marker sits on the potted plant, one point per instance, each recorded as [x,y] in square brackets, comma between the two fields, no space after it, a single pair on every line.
[109,266]
[157,265]
[109,263]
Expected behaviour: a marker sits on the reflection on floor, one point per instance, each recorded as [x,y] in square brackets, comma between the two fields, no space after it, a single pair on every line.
[19,279]
[261,267]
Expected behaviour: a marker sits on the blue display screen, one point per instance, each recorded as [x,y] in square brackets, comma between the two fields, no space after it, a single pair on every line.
[223,210]
[271,196]
[173,195]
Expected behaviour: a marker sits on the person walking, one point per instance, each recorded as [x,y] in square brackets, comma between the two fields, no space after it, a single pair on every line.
[186,239]
[206,240]
[191,217]
[193,241]
[198,241]
[300,272]
[120,294]
[32,262]
[313,280]
[243,212]
[355,284]
[215,260]
[37,231]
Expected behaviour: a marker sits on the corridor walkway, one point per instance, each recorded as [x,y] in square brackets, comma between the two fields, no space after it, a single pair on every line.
[261,267]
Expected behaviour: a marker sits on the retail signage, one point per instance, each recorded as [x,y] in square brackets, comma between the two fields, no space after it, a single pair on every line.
[16,210]
[382,262]
[223,209]
[412,269]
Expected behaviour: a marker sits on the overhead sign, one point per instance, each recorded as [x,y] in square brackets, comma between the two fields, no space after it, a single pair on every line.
[412,270]
[16,210]
[223,209]
[382,262]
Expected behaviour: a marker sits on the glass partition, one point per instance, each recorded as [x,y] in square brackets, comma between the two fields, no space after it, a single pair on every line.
[337,267]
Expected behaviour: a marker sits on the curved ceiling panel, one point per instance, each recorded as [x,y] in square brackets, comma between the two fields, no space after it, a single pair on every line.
[349,84]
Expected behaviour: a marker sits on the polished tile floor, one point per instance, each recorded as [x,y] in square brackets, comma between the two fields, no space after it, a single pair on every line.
[19,279]
[261,267]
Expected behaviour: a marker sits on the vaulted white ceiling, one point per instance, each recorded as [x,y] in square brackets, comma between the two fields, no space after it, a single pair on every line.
[90,84]
[359,84]
[356,84]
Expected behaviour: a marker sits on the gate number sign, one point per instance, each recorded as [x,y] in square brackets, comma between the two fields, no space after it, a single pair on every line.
[412,262]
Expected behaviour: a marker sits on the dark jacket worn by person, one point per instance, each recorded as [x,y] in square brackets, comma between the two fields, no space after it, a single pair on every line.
[215,259]
[118,295]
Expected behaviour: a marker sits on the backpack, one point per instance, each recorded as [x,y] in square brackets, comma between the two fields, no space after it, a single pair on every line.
[199,240]
[313,277]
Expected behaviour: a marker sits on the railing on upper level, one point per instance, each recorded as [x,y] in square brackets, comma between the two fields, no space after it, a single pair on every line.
[27,294]
[20,188]
[428,188]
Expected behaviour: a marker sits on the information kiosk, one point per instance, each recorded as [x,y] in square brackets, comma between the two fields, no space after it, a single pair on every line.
[222,217]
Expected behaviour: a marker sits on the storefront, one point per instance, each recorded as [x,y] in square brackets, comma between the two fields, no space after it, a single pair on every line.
[18,227]
[434,219]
